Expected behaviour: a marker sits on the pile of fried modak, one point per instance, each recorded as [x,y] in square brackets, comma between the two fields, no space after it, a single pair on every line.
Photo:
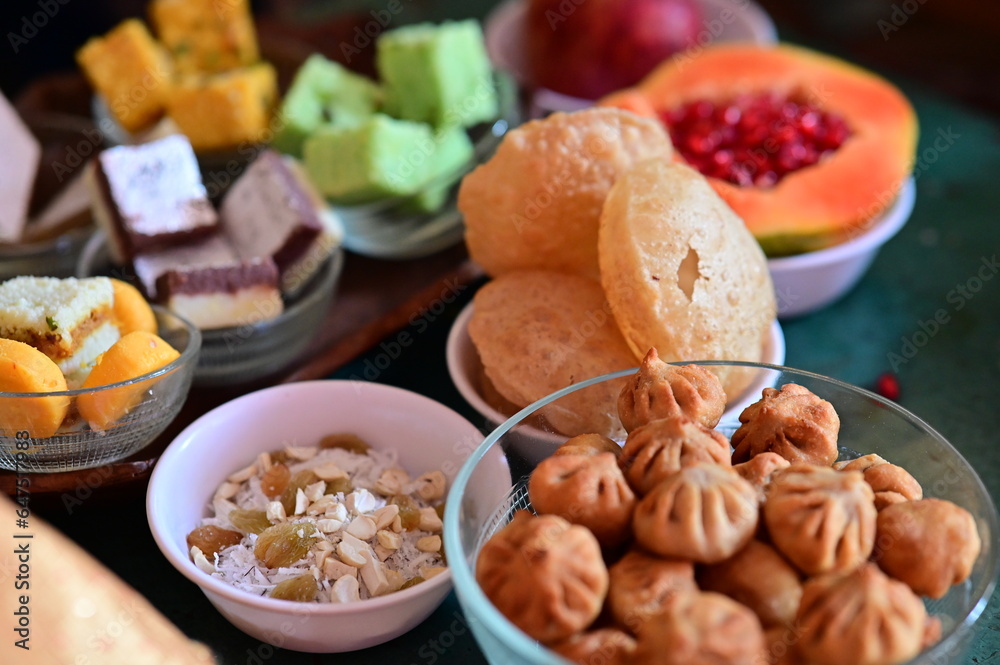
[682,547]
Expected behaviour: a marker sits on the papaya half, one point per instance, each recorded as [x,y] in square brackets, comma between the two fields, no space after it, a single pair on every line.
[806,148]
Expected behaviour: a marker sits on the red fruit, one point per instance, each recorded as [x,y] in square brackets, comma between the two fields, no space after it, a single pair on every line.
[887,385]
[589,48]
[774,136]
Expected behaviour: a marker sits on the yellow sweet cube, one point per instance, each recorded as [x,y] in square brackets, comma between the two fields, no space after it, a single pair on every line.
[131,71]
[220,111]
[206,35]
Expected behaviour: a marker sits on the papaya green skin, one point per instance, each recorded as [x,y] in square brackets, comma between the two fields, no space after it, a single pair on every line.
[819,205]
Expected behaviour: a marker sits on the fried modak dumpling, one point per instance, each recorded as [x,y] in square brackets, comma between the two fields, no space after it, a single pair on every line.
[539,331]
[820,519]
[704,512]
[660,448]
[863,617]
[779,646]
[589,444]
[758,577]
[544,574]
[792,422]
[660,390]
[759,469]
[641,583]
[700,628]
[536,203]
[589,490]
[891,483]
[930,544]
[602,646]
[682,273]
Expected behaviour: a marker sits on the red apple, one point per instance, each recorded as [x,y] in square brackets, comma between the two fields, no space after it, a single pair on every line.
[589,48]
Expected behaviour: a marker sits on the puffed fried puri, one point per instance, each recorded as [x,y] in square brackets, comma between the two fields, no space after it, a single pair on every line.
[820,519]
[681,271]
[545,575]
[537,332]
[761,579]
[704,512]
[700,628]
[930,544]
[891,483]
[661,390]
[660,448]
[640,585]
[537,202]
[792,422]
[863,617]
[588,490]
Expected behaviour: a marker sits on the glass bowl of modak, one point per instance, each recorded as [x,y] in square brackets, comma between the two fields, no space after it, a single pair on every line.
[819,524]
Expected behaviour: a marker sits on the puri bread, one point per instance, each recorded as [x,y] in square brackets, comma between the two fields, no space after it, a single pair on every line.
[25,369]
[539,331]
[135,354]
[681,271]
[537,202]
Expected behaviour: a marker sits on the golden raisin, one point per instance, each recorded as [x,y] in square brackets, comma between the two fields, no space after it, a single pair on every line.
[302,588]
[279,456]
[284,544]
[413,581]
[275,480]
[298,482]
[250,521]
[439,509]
[350,442]
[409,511]
[342,484]
[212,539]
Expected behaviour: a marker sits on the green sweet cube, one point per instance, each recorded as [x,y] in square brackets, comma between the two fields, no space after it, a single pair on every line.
[452,151]
[437,73]
[377,158]
[323,92]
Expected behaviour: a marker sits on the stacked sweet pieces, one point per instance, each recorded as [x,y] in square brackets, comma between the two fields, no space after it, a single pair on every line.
[402,137]
[221,268]
[69,208]
[672,549]
[204,73]
[60,334]
[624,251]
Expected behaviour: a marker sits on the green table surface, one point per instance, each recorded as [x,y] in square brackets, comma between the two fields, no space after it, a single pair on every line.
[942,266]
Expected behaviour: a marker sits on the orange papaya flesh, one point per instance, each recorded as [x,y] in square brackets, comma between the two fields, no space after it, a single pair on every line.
[820,204]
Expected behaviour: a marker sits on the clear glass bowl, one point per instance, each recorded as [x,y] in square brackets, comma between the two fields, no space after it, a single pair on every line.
[491,486]
[76,446]
[258,349]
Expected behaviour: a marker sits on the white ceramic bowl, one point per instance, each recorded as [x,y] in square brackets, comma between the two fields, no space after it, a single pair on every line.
[466,371]
[807,282]
[724,20]
[426,434]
